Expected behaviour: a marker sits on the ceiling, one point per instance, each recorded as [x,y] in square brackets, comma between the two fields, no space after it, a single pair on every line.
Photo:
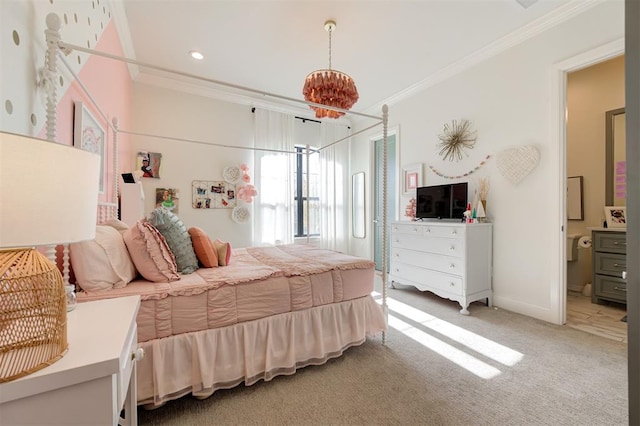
[390,48]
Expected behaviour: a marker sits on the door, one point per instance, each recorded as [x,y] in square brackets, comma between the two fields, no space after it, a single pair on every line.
[391,196]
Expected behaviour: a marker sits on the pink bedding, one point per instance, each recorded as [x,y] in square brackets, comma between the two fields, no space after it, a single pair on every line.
[258,283]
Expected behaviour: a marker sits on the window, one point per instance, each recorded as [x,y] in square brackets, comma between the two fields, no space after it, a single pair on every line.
[301,199]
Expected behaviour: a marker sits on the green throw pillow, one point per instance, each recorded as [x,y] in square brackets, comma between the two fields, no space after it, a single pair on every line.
[178,239]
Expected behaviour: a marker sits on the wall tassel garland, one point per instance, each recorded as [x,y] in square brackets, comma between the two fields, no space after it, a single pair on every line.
[482,163]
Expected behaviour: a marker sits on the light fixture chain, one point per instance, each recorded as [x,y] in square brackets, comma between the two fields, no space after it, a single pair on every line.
[330,31]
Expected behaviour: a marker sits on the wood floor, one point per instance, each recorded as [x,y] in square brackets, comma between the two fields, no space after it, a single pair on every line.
[602,320]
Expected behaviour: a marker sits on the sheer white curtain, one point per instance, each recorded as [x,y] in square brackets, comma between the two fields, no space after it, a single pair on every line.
[334,188]
[273,217]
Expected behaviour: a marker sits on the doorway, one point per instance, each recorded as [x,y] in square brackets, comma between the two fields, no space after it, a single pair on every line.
[592,216]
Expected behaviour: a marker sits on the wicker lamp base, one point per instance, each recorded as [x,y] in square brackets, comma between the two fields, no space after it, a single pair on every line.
[33,313]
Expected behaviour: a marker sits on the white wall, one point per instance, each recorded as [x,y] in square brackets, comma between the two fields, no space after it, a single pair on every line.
[509,100]
[166,112]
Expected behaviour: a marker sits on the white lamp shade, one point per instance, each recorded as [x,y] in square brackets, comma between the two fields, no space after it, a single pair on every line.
[48,192]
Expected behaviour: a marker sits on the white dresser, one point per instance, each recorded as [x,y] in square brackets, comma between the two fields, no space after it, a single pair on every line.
[450,259]
[92,382]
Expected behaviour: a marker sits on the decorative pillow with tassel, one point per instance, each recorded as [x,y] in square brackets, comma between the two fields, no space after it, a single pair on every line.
[178,239]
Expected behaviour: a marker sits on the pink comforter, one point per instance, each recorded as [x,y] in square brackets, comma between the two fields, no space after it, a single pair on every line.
[258,282]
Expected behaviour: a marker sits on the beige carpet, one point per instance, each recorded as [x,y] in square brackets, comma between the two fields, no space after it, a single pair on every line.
[490,368]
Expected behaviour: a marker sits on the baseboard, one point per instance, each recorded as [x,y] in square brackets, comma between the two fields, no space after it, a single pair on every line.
[529,310]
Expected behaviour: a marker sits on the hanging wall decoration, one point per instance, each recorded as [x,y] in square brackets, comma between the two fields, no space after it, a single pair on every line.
[456,138]
[149,164]
[167,198]
[516,163]
[213,194]
[442,175]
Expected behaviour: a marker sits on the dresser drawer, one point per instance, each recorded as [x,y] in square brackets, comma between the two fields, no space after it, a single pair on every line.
[426,279]
[611,242]
[428,230]
[447,264]
[610,264]
[611,288]
[444,231]
[444,246]
[407,229]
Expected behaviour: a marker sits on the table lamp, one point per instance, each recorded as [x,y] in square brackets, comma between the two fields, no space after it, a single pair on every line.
[48,196]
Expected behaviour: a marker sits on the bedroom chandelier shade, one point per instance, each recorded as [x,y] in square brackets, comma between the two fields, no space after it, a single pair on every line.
[55,205]
[330,87]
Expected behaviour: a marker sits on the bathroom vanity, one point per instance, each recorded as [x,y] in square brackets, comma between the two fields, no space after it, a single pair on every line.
[609,265]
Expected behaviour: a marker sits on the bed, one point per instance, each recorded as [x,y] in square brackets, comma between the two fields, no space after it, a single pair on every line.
[268,312]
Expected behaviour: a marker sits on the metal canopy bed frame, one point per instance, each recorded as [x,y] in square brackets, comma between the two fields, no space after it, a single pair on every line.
[57,49]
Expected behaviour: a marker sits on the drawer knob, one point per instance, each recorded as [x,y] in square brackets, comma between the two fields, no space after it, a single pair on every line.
[620,288]
[452,248]
[137,355]
[427,230]
[454,232]
[452,284]
[617,265]
[452,266]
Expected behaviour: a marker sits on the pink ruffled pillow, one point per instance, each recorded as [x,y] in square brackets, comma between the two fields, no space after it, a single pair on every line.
[224,252]
[150,253]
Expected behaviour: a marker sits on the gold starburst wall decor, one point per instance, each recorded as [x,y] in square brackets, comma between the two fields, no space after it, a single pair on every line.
[457,137]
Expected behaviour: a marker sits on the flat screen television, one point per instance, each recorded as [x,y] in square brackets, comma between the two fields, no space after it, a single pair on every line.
[441,201]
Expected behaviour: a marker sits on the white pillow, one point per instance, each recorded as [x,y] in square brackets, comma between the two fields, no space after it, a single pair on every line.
[103,263]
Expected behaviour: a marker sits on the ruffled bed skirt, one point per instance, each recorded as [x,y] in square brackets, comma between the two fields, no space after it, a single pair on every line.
[205,361]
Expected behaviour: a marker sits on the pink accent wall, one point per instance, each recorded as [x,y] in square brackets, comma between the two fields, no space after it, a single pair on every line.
[109,83]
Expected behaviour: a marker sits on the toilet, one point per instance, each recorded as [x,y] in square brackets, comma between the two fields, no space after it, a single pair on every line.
[572,247]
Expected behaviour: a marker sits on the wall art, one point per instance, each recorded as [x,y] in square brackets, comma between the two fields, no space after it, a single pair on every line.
[168,199]
[88,135]
[149,164]
[209,194]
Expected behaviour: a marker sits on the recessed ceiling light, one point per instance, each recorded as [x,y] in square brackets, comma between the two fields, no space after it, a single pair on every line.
[196,55]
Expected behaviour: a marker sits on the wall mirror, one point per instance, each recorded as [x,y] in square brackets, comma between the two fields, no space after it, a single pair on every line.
[615,166]
[358,205]
[575,206]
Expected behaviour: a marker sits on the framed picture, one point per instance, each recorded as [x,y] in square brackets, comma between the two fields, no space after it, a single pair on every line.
[88,135]
[411,178]
[167,198]
[149,164]
[616,216]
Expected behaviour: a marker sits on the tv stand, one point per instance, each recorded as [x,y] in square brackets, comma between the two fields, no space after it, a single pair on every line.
[450,259]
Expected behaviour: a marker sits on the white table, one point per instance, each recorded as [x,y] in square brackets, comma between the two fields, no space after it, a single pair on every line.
[92,382]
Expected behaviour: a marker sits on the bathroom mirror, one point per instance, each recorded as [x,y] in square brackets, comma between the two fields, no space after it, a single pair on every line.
[615,166]
[358,205]
[575,206]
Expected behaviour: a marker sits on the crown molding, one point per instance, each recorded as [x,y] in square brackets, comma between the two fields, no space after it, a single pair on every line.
[542,24]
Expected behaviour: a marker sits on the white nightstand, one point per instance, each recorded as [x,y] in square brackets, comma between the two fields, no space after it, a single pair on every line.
[95,379]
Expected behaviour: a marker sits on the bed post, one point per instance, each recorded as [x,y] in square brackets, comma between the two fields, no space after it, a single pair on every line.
[306,211]
[385,307]
[52,36]
[116,181]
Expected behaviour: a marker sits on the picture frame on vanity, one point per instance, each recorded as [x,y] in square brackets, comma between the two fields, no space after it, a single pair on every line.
[616,216]
[88,135]
[411,178]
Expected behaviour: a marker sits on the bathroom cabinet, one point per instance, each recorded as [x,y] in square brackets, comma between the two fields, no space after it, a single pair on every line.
[609,263]
[450,259]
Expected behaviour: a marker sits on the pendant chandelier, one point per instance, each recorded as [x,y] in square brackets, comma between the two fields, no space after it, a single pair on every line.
[330,87]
